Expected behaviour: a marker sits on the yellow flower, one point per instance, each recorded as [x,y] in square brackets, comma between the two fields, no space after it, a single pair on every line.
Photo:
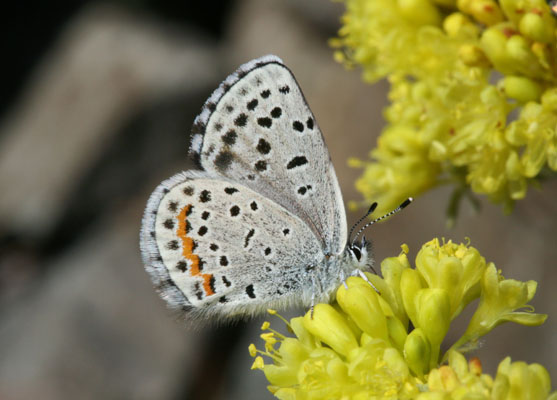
[449,122]
[360,347]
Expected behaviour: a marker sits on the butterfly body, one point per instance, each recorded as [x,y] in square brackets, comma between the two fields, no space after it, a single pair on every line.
[262,225]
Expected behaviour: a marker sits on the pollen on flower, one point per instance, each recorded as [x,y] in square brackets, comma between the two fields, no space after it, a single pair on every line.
[258,363]
[364,344]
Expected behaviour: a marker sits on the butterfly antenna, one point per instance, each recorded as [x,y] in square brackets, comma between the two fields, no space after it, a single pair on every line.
[399,208]
[371,209]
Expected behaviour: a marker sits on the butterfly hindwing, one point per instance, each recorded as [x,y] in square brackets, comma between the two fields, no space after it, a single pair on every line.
[214,244]
[257,129]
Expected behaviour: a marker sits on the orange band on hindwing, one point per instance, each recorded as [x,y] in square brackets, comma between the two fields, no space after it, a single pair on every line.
[187,251]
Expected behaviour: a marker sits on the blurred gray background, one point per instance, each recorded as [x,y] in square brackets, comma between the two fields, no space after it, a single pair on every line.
[97,102]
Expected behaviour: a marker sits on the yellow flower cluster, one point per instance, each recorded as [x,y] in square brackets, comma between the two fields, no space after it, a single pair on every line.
[473,94]
[368,345]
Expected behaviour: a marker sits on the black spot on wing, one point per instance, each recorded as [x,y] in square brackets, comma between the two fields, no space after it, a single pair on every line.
[205,196]
[241,120]
[261,165]
[250,291]
[309,123]
[197,290]
[172,245]
[168,224]
[223,160]
[188,190]
[297,161]
[230,190]
[234,211]
[252,104]
[172,206]
[253,206]
[226,281]
[266,93]
[263,146]
[284,89]
[202,230]
[276,112]
[230,137]
[214,247]
[298,126]
[211,106]
[265,122]
[223,261]
[198,127]
[205,215]
[248,237]
[182,266]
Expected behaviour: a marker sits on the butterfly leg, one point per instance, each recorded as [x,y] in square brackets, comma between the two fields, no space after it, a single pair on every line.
[343,279]
[313,290]
[359,272]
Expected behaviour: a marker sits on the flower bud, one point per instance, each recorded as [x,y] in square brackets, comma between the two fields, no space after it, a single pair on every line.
[513,167]
[417,352]
[330,327]
[434,314]
[360,302]
[494,42]
[442,379]
[458,363]
[392,269]
[521,88]
[292,350]
[410,285]
[532,26]
[420,12]
[472,55]
[549,99]
[484,11]
[521,380]
[458,24]
[519,52]
[438,151]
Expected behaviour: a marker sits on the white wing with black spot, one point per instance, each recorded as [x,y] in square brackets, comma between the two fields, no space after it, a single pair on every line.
[216,246]
[257,129]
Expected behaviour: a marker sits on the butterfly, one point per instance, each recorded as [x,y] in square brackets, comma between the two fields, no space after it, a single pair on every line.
[262,223]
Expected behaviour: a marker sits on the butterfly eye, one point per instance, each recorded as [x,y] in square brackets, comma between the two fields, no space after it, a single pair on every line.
[357,253]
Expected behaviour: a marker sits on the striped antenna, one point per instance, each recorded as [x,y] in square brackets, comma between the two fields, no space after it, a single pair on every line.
[371,209]
[399,208]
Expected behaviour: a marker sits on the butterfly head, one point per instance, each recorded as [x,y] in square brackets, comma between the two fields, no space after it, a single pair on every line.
[360,254]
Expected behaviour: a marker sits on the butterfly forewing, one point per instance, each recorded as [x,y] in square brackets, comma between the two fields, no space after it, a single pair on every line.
[219,245]
[258,130]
